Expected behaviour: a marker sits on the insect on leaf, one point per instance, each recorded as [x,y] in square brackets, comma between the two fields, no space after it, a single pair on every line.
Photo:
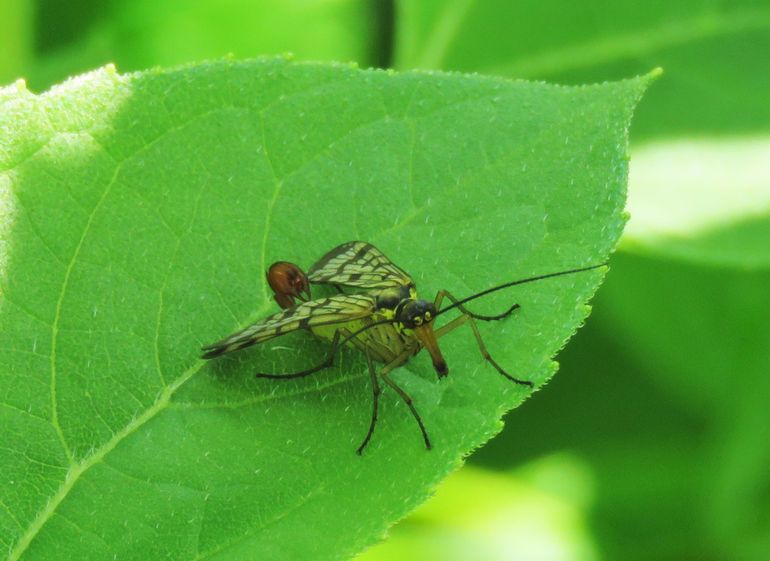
[139,215]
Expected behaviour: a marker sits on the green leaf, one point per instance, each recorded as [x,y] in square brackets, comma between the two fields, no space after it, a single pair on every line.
[704,201]
[179,31]
[695,41]
[139,215]
[484,514]
[136,34]
[698,186]
[705,344]
[15,37]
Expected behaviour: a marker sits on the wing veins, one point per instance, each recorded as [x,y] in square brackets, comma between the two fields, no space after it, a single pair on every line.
[315,313]
[358,264]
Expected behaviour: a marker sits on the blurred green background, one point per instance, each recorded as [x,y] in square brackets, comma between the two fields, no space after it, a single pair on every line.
[653,441]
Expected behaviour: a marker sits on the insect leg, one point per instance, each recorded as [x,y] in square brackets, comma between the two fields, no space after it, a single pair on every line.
[375,402]
[385,373]
[465,318]
[444,293]
[328,363]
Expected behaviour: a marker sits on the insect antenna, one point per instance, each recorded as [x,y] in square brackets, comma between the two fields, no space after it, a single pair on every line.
[460,303]
[329,361]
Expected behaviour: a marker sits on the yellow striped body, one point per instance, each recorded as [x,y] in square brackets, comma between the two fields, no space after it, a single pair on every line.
[357,265]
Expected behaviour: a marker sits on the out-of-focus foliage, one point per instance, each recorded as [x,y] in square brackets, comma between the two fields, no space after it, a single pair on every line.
[70,37]
[702,200]
[660,401]
[714,54]
[15,38]
[539,511]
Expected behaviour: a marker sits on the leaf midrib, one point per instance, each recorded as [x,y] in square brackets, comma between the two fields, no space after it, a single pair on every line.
[78,469]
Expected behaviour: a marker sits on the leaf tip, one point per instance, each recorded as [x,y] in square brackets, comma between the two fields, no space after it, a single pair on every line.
[652,76]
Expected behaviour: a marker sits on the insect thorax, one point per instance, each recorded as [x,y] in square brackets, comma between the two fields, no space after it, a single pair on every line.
[388,299]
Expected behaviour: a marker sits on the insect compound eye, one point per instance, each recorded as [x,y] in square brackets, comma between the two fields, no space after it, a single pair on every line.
[428,316]
[418,320]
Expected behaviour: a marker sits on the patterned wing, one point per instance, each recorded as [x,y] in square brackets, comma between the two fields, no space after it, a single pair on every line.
[324,311]
[358,264]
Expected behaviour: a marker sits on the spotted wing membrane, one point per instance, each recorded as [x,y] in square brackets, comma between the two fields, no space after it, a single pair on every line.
[358,264]
[315,313]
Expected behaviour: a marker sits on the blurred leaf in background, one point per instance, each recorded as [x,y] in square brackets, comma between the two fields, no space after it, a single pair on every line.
[702,200]
[60,39]
[16,38]
[538,511]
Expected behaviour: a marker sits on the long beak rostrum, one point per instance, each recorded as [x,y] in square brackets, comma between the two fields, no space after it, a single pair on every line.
[427,339]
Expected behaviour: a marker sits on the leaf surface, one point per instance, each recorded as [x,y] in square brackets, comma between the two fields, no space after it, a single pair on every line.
[139,214]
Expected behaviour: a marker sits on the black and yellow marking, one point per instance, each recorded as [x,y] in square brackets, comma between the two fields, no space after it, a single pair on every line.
[339,309]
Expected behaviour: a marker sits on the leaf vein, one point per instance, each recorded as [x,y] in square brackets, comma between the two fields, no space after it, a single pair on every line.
[249,534]
[77,470]
[264,397]
[57,312]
